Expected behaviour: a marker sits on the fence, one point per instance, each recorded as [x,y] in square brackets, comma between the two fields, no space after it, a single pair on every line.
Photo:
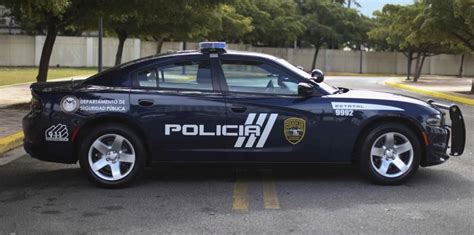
[20,50]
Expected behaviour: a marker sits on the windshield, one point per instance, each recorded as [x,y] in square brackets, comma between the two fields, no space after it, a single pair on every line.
[330,89]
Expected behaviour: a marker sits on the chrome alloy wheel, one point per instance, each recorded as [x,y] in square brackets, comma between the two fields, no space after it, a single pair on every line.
[111,157]
[391,154]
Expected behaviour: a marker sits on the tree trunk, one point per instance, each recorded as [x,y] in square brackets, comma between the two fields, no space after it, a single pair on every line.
[472,86]
[461,66]
[46,52]
[159,44]
[409,62]
[420,67]
[315,57]
[417,65]
[122,36]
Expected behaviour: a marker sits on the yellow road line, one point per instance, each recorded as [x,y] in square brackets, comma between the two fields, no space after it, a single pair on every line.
[436,94]
[270,197]
[10,142]
[240,196]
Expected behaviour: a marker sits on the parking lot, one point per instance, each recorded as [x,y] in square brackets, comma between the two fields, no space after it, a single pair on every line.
[45,197]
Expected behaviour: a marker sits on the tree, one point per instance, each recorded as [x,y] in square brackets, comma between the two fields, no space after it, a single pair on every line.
[319,20]
[453,21]
[123,25]
[216,21]
[402,27]
[275,22]
[229,25]
[158,19]
[49,17]
[349,3]
[330,24]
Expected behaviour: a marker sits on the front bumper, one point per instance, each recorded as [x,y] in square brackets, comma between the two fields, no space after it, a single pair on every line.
[451,136]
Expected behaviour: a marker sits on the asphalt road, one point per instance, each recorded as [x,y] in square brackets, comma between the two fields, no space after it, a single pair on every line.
[45,197]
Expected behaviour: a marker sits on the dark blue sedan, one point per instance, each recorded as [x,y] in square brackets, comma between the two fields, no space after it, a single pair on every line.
[218,106]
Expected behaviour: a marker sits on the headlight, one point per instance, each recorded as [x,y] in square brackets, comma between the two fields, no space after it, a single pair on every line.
[436,120]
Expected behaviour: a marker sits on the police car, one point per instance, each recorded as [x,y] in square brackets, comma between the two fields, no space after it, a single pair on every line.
[214,105]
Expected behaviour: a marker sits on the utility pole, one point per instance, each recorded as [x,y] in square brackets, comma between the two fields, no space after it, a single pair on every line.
[101,34]
[360,58]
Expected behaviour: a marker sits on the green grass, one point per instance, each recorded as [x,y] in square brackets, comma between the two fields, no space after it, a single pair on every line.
[15,75]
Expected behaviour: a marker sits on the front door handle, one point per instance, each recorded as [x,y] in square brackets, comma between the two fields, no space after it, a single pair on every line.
[145,102]
[238,108]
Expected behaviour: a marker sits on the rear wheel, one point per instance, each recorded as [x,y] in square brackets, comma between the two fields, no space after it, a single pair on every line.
[390,154]
[112,156]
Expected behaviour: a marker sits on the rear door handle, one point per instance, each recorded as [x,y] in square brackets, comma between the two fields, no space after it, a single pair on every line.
[145,102]
[238,108]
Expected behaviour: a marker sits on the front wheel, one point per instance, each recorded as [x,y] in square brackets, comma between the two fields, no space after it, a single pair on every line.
[112,156]
[390,154]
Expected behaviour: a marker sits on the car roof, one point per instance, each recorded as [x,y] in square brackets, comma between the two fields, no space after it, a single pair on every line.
[171,54]
[144,61]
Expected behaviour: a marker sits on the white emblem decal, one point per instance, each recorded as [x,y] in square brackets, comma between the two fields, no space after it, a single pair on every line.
[69,104]
[57,133]
[254,132]
[103,105]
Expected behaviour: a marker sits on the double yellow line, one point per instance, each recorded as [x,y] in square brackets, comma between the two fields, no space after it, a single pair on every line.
[240,194]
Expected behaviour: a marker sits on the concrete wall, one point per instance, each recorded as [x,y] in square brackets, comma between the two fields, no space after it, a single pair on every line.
[20,50]
[17,50]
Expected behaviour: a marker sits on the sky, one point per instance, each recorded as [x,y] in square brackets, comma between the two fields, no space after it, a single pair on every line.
[369,6]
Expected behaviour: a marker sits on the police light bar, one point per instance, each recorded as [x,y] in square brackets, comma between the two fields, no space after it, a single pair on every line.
[212,46]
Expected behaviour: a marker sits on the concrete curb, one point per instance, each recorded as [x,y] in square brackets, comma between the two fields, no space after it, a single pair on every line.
[442,95]
[11,142]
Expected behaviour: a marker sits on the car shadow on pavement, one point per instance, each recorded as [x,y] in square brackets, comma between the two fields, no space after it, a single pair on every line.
[331,187]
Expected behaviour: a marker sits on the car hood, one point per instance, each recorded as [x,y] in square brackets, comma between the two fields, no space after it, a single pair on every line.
[383,96]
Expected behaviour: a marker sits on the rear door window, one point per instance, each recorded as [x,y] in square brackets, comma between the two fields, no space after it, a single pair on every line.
[185,75]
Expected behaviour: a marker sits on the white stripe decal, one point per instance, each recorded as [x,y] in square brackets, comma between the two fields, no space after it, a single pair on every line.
[241,139]
[267,130]
[252,138]
[363,106]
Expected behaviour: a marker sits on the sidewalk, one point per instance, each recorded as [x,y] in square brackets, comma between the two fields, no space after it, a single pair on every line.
[449,88]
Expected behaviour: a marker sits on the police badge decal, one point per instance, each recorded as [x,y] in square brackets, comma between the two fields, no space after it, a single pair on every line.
[294,129]
[69,104]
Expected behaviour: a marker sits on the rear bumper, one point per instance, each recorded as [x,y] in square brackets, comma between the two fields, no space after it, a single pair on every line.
[35,144]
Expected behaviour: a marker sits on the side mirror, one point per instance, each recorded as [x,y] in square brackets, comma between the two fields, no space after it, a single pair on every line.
[305,89]
[317,75]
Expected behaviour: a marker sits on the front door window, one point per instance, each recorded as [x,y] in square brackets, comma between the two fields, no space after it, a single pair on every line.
[257,77]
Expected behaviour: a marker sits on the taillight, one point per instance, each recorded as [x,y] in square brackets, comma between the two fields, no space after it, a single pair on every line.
[36,104]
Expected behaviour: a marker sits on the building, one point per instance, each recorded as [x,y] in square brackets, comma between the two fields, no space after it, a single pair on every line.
[7,23]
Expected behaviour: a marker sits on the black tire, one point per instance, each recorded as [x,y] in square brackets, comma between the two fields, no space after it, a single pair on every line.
[133,171]
[371,166]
